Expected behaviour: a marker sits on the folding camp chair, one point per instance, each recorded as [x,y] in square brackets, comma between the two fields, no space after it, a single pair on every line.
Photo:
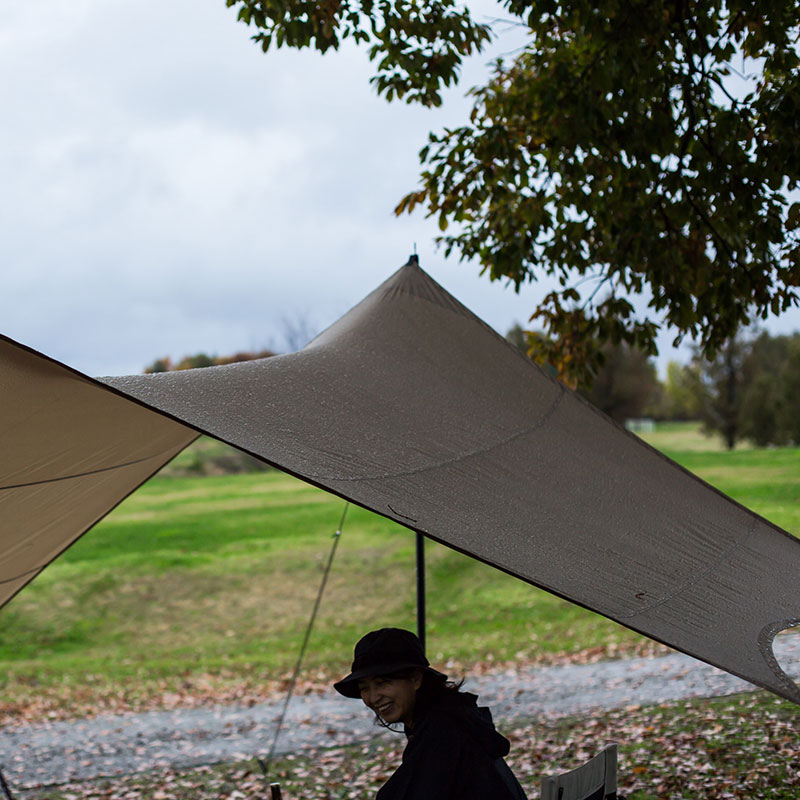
[594,780]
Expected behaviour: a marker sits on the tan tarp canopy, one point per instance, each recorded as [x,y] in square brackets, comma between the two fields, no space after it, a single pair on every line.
[410,406]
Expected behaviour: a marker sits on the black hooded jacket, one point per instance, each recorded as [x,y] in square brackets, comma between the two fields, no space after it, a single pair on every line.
[453,753]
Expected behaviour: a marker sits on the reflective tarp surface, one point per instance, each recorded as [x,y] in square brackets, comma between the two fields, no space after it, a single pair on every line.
[410,406]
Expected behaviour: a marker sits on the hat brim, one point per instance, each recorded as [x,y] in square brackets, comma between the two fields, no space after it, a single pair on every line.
[348,686]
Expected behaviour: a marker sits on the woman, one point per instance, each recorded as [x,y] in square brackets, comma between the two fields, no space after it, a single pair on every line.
[453,750]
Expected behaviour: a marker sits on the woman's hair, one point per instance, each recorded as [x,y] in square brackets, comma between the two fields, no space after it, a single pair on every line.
[431,689]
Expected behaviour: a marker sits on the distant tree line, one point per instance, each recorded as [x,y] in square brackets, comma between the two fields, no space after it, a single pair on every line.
[750,391]
[203,360]
[206,456]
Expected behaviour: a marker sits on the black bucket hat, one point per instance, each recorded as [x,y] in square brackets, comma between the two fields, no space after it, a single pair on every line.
[383,652]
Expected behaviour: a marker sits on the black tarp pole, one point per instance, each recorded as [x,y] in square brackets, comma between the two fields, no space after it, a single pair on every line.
[421,589]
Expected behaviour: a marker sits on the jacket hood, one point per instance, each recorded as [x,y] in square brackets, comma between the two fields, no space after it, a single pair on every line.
[476,721]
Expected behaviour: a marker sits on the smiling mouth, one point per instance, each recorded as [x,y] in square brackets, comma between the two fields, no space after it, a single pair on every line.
[383,710]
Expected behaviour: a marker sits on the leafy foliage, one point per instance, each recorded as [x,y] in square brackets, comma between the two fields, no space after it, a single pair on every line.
[719,379]
[631,148]
[680,397]
[200,360]
[418,46]
[750,390]
[771,398]
[615,155]
[626,386]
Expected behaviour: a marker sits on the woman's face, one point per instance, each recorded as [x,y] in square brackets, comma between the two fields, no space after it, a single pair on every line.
[392,699]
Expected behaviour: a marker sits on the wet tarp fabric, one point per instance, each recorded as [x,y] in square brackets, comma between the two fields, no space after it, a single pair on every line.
[411,406]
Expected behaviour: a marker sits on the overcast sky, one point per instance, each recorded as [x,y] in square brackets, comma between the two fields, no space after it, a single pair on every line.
[169,189]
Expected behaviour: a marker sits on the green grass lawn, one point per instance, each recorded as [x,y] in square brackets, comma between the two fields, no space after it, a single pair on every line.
[767,481]
[212,579]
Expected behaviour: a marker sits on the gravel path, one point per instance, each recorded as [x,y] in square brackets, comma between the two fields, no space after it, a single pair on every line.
[58,752]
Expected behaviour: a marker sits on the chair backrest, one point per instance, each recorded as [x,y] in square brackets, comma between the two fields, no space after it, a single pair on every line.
[594,780]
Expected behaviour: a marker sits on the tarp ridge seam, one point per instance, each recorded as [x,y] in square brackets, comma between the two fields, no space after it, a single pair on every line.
[22,575]
[80,474]
[446,462]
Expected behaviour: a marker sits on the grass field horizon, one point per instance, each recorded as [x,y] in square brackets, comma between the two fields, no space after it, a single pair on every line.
[210,580]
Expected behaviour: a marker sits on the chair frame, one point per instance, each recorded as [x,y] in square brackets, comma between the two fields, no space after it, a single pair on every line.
[594,780]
